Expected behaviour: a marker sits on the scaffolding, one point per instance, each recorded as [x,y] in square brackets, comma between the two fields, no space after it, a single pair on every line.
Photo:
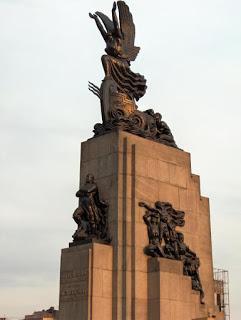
[221,283]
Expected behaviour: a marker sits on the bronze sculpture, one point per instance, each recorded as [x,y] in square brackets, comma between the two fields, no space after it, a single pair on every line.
[120,49]
[91,215]
[161,222]
[122,87]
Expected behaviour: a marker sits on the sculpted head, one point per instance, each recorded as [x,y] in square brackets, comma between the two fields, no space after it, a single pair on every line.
[90,178]
[158,117]
[180,236]
[158,204]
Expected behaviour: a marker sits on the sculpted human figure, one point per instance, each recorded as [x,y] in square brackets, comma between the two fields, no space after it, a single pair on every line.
[164,133]
[119,36]
[191,264]
[121,87]
[159,129]
[161,222]
[152,219]
[170,218]
[90,216]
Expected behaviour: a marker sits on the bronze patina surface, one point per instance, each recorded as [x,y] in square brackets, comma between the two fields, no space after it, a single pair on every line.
[122,87]
[91,214]
[161,222]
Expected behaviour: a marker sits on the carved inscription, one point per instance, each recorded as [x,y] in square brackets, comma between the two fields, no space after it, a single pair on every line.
[73,285]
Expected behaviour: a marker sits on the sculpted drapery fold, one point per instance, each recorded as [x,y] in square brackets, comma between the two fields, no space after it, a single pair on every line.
[122,87]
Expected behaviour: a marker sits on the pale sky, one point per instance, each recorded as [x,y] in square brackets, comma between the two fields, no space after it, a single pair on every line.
[49,49]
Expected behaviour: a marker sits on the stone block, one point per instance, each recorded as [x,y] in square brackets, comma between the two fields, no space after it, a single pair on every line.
[97,284]
[99,146]
[102,256]
[107,283]
[86,282]
[141,260]
[194,183]
[171,266]
[122,281]
[180,310]
[107,189]
[141,235]
[75,287]
[203,207]
[178,175]
[191,223]
[142,167]
[147,189]
[105,166]
[141,310]
[192,200]
[183,202]
[90,166]
[101,308]
[165,309]
[158,170]
[158,151]
[168,193]
[141,285]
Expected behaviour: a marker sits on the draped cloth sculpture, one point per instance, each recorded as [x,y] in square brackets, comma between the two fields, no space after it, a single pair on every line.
[91,214]
[161,222]
[122,87]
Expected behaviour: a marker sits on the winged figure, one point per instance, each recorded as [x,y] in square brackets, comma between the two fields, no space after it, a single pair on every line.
[119,35]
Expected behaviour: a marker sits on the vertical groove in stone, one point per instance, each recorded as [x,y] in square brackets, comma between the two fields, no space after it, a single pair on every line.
[133,235]
[115,237]
[124,236]
[90,284]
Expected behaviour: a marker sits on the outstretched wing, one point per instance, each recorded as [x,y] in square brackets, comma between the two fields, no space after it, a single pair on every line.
[109,25]
[128,31]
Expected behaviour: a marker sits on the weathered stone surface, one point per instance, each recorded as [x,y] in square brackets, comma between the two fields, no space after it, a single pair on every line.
[134,169]
[86,282]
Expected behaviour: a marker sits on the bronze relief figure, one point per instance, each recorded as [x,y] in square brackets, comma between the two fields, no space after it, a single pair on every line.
[166,242]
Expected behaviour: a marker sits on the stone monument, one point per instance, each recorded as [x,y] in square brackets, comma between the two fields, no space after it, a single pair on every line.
[142,248]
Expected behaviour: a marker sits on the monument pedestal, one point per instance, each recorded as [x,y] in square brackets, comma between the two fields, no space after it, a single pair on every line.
[118,281]
[86,282]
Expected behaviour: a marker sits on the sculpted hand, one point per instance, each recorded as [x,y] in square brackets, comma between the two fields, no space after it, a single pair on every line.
[142,204]
[92,16]
[114,6]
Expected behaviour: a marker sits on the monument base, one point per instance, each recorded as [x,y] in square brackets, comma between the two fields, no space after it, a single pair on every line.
[170,292]
[119,281]
[86,282]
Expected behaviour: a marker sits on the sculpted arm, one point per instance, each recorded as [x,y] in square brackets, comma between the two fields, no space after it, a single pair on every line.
[144,205]
[99,25]
[146,218]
